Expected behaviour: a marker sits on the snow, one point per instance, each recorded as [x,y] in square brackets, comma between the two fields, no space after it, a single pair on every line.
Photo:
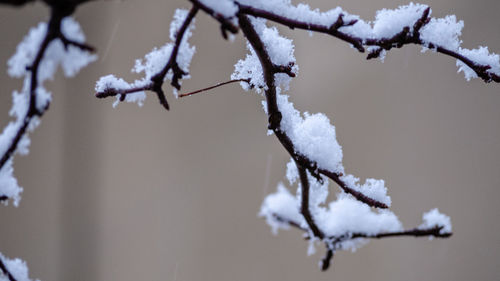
[391,22]
[292,174]
[341,218]
[480,56]
[434,218]
[312,135]
[443,32]
[250,68]
[71,60]
[8,184]
[16,267]
[281,203]
[281,52]
[301,12]
[372,188]
[226,8]
[347,215]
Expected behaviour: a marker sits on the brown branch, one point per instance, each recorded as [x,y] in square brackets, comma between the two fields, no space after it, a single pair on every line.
[5,271]
[157,80]
[213,87]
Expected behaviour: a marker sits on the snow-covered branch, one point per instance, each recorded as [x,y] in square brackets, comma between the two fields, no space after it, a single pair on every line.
[60,41]
[111,86]
[410,24]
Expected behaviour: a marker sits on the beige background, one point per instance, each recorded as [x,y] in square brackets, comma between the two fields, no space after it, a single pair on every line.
[144,194]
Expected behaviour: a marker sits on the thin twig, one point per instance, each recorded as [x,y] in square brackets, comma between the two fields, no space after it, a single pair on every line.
[213,87]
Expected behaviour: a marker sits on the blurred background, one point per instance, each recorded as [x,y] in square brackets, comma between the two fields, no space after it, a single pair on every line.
[144,194]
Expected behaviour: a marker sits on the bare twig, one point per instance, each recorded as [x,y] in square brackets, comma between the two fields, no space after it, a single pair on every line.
[213,87]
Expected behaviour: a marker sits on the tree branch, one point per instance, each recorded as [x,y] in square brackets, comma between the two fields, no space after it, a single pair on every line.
[53,33]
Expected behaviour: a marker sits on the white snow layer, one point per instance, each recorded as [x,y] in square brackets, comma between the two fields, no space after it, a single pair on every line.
[109,82]
[443,32]
[391,22]
[372,188]
[16,267]
[282,204]
[312,135]
[480,56]
[343,217]
[71,60]
[434,218]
